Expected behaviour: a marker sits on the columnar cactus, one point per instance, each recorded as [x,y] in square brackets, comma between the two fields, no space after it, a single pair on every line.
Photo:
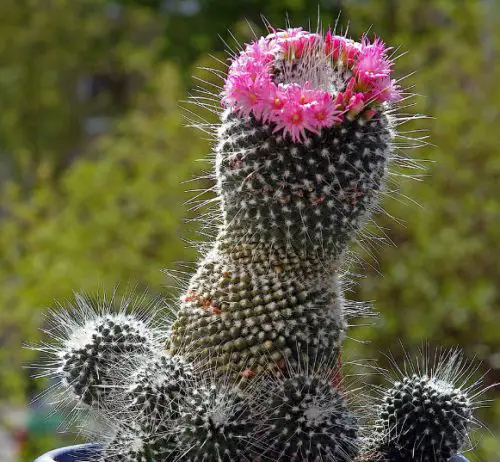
[301,154]
[250,369]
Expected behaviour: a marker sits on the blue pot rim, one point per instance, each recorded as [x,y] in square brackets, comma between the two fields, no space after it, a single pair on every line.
[73,454]
[76,453]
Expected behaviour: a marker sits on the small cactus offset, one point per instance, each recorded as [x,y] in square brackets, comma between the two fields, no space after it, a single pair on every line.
[215,424]
[424,417]
[154,389]
[93,337]
[131,443]
[306,416]
[250,368]
[426,414]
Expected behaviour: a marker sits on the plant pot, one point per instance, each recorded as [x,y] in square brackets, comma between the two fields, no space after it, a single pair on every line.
[87,451]
[80,452]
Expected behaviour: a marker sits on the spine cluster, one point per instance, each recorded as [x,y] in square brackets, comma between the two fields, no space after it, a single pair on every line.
[250,369]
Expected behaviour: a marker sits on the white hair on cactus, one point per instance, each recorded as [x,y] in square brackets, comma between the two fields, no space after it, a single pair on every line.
[90,337]
[298,175]
[148,390]
[130,442]
[304,413]
[215,421]
[310,58]
[427,410]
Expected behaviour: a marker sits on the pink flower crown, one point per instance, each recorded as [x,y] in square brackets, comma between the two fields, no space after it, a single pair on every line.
[332,77]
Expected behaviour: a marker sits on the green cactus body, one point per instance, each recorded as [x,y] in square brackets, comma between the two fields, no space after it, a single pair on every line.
[132,444]
[310,196]
[269,289]
[251,306]
[154,390]
[86,368]
[215,424]
[307,419]
[422,418]
[94,339]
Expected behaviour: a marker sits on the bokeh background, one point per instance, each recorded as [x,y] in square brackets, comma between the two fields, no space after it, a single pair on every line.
[95,155]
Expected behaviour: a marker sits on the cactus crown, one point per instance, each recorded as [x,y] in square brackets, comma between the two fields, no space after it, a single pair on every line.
[304,142]
[302,81]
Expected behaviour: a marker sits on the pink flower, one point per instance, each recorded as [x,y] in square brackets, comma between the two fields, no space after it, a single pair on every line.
[284,34]
[350,102]
[370,67]
[377,47]
[300,94]
[341,49]
[324,111]
[342,99]
[369,114]
[372,64]
[385,89]
[293,43]
[250,67]
[260,51]
[244,93]
[296,47]
[271,101]
[294,119]
[230,93]
[355,105]
[250,89]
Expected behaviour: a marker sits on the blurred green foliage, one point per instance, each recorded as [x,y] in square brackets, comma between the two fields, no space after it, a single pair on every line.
[94,155]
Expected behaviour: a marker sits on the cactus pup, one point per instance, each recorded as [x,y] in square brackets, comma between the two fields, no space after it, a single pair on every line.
[426,412]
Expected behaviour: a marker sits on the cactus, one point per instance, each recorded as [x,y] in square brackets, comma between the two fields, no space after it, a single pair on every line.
[152,391]
[250,368]
[425,418]
[299,163]
[215,424]
[305,417]
[131,443]
[95,335]
[426,415]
